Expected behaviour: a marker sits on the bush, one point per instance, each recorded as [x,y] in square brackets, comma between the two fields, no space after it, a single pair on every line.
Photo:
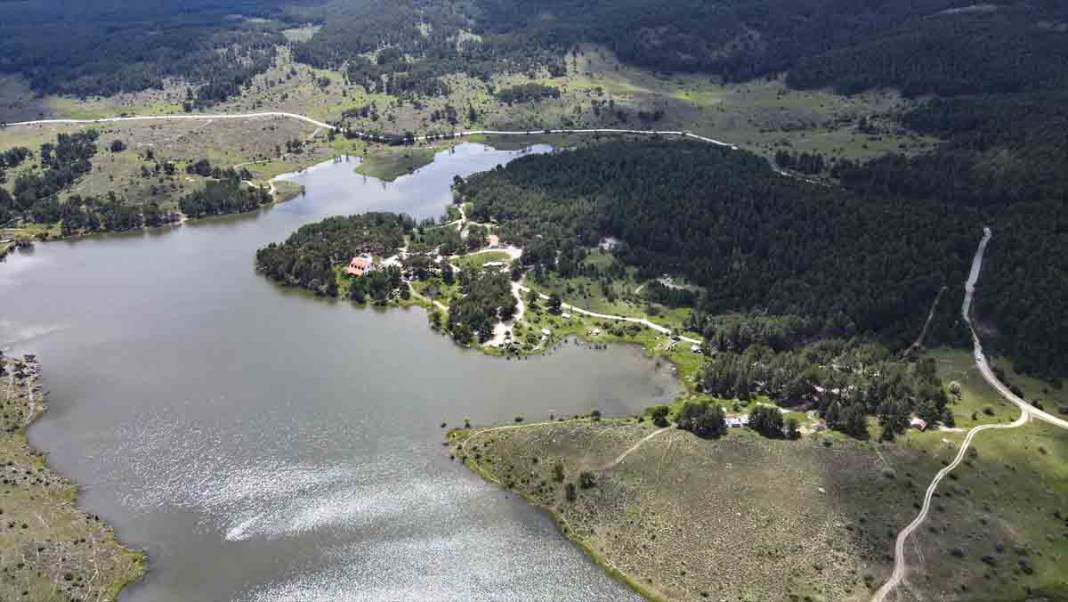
[570,492]
[587,480]
[659,415]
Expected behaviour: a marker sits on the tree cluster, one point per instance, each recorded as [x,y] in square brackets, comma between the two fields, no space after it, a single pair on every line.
[92,214]
[313,256]
[1004,159]
[487,298]
[528,92]
[35,193]
[704,419]
[227,195]
[1003,50]
[844,380]
[407,47]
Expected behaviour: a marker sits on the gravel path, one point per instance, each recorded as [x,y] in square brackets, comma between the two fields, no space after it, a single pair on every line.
[1027,411]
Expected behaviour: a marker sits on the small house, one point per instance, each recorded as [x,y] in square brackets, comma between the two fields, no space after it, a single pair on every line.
[361,265]
[918,423]
[737,421]
[608,244]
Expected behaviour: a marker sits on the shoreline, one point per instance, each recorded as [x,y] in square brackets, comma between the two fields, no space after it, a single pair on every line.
[279,197]
[599,559]
[49,512]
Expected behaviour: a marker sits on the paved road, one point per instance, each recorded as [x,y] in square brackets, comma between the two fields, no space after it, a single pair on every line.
[1027,411]
[423,138]
[190,117]
[980,358]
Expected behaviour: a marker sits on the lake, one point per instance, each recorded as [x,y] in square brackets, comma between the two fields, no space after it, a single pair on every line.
[262,444]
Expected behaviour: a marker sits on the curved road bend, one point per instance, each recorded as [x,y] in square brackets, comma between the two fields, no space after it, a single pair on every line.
[1027,411]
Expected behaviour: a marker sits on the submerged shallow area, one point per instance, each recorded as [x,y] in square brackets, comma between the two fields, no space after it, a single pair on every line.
[262,444]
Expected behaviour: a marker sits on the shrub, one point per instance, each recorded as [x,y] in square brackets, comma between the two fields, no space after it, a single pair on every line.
[570,492]
[587,480]
[659,415]
[558,472]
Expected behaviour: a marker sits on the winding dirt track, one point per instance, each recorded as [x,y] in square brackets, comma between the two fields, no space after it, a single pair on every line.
[899,546]
[634,448]
[1027,411]
[642,321]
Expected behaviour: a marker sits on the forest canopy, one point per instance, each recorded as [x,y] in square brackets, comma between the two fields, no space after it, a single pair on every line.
[725,221]
[112,46]
[843,261]
[407,46]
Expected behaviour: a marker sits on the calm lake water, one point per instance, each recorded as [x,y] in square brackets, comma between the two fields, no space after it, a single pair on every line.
[261,444]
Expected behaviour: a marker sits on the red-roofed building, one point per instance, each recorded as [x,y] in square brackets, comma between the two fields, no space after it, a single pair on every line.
[360,266]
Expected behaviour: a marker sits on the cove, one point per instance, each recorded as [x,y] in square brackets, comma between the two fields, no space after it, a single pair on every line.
[261,444]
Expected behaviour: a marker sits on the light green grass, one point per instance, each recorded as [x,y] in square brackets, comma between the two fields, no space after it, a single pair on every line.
[476,261]
[390,163]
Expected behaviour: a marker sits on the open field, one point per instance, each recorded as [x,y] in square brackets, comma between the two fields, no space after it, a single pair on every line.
[999,525]
[49,549]
[978,404]
[1052,396]
[389,163]
[620,295]
[747,518]
[741,518]
[1013,491]
[258,145]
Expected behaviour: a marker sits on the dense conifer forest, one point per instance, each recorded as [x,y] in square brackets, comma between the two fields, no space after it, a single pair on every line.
[111,46]
[831,261]
[947,47]
[758,241]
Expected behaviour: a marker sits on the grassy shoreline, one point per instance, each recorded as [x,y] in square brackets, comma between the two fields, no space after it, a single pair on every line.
[49,548]
[454,438]
[995,532]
